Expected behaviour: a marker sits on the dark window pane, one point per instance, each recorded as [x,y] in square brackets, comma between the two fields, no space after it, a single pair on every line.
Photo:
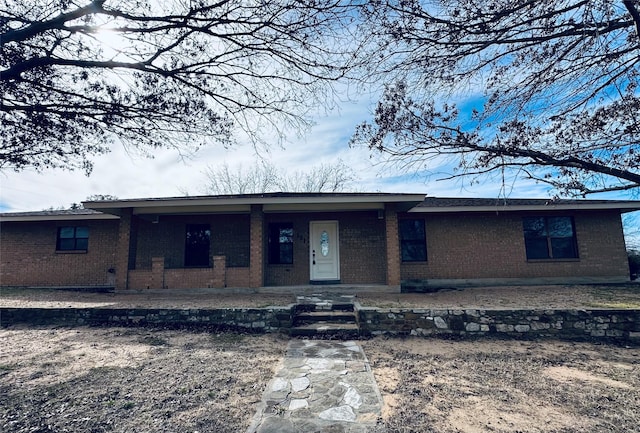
[563,248]
[197,245]
[82,232]
[286,253]
[286,235]
[66,232]
[549,238]
[537,248]
[411,229]
[414,251]
[66,244]
[560,227]
[534,227]
[280,243]
[413,242]
[82,244]
[72,238]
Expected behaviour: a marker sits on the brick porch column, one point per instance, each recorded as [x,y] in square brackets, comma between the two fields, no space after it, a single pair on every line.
[393,246]
[122,250]
[219,271]
[157,272]
[256,260]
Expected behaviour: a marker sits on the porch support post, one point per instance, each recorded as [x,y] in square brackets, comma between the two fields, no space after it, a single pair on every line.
[122,250]
[157,272]
[393,246]
[219,271]
[256,261]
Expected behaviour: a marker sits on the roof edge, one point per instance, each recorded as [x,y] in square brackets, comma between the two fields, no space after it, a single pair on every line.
[267,198]
[577,205]
[25,217]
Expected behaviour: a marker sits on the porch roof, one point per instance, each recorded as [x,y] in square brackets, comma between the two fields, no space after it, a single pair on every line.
[446,204]
[312,202]
[270,202]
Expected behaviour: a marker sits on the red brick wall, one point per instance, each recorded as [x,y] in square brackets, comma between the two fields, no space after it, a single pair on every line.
[298,272]
[362,248]
[393,249]
[238,277]
[459,246]
[158,277]
[469,246]
[256,261]
[125,248]
[166,238]
[28,255]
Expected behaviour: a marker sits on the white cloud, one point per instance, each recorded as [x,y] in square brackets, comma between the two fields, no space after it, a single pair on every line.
[126,176]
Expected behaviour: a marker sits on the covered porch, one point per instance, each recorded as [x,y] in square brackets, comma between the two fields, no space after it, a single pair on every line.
[255,241]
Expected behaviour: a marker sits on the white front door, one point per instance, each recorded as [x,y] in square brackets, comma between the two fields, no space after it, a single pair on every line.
[324,253]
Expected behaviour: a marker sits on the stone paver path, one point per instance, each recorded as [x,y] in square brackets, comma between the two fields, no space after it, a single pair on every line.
[322,386]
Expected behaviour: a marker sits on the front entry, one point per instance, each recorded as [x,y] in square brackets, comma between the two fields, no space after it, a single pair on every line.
[324,252]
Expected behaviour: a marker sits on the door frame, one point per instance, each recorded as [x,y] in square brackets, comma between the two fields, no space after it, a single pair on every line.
[335,280]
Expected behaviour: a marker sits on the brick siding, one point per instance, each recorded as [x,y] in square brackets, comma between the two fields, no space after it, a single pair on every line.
[256,261]
[28,255]
[459,246]
[472,246]
[362,248]
[393,248]
[125,248]
[166,238]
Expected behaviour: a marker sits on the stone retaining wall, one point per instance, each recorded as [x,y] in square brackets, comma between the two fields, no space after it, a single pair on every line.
[621,325]
[603,325]
[256,320]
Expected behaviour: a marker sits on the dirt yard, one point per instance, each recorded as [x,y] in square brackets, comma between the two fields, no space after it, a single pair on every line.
[132,380]
[623,296]
[135,379]
[431,385]
[571,296]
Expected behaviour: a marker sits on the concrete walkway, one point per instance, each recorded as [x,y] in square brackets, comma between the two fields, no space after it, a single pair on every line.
[322,386]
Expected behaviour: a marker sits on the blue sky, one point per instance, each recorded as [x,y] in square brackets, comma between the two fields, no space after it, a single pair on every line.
[130,176]
[127,175]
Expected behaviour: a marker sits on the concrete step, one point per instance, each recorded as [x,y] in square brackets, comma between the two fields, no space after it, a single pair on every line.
[322,306]
[326,329]
[325,316]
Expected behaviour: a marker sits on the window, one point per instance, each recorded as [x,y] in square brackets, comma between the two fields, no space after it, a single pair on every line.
[196,250]
[281,243]
[413,241]
[550,238]
[72,239]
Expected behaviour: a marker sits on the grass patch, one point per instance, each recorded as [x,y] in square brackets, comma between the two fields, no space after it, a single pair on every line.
[631,305]
[128,405]
[627,298]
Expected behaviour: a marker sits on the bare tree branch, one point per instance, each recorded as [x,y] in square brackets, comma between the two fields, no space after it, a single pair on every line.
[264,177]
[553,86]
[180,74]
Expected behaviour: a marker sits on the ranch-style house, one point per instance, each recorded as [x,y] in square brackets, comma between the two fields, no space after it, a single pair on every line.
[295,239]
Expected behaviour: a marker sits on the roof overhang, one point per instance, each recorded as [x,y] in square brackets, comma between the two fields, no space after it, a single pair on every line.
[53,217]
[270,203]
[623,207]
